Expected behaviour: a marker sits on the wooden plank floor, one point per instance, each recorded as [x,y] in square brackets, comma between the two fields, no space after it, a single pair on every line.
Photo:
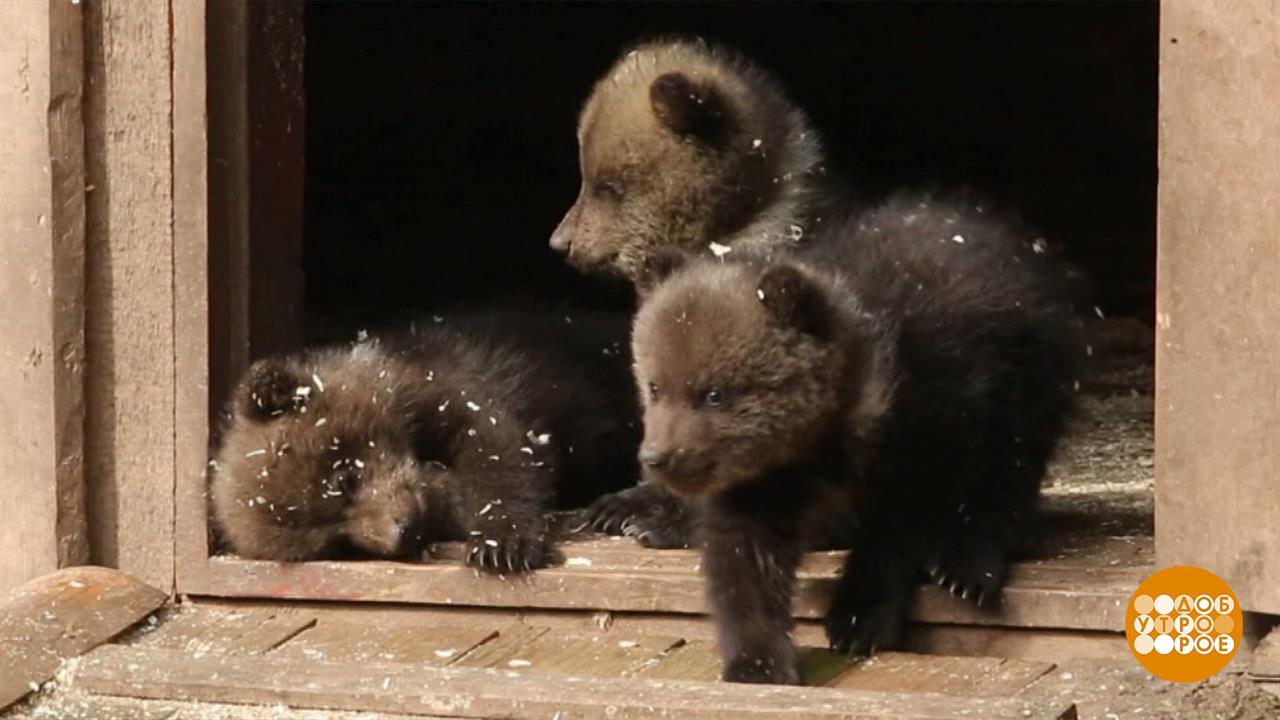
[479,693]
[332,663]
[492,667]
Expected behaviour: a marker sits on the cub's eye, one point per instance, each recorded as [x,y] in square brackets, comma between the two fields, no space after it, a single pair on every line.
[609,189]
[347,482]
[653,391]
[713,397]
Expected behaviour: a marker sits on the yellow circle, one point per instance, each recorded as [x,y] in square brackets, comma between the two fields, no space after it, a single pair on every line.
[1172,594]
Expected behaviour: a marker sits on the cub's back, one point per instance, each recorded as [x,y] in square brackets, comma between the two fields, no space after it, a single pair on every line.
[571,373]
[978,299]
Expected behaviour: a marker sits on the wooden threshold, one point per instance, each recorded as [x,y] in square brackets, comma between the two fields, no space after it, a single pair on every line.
[1076,591]
[486,693]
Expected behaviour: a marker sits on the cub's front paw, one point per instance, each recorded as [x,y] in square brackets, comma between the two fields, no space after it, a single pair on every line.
[772,671]
[646,512]
[508,554]
[972,568]
[863,622]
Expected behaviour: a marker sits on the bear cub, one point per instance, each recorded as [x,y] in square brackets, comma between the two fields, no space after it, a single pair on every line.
[902,383]
[469,430]
[688,146]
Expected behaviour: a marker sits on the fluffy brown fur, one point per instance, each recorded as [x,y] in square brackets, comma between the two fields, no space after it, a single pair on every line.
[471,431]
[685,145]
[901,385]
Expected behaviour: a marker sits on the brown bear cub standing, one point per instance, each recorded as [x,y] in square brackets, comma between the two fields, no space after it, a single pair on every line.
[687,146]
[902,384]
[471,430]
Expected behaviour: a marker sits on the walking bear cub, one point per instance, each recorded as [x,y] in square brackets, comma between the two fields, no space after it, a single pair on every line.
[471,430]
[901,384]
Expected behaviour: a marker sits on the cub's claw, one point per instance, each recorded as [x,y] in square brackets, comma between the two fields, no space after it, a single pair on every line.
[514,554]
[646,512]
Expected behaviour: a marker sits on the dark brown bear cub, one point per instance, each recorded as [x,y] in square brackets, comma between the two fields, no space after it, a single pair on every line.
[471,431]
[905,384]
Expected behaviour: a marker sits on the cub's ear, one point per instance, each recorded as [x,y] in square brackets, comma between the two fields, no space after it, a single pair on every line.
[688,108]
[268,390]
[657,266]
[795,300]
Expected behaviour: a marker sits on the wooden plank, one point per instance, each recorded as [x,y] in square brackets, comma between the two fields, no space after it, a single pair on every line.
[426,645]
[601,554]
[61,615]
[66,705]
[1070,552]
[191,283]
[994,641]
[42,249]
[129,288]
[697,660]
[470,693]
[1051,645]
[949,675]
[277,158]
[1218,299]
[497,651]
[228,241]
[597,655]
[207,630]
[608,577]
[1099,551]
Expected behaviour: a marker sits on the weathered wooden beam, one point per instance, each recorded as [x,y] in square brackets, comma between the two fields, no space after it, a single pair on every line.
[276,90]
[194,269]
[42,246]
[621,576]
[129,321]
[62,615]
[474,693]
[1218,295]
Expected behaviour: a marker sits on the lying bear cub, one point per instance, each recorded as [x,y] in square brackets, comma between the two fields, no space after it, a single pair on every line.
[902,383]
[470,430]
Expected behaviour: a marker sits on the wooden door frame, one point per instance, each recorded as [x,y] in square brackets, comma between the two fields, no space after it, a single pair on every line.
[1192,132]
[42,264]
[1217,418]
[1217,290]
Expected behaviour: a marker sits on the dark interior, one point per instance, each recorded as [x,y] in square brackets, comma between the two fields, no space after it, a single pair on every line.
[441,153]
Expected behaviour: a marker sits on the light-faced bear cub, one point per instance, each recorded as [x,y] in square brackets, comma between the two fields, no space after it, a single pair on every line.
[902,383]
[682,145]
[473,430]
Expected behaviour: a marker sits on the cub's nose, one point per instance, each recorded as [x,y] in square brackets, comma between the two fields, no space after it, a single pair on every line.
[560,242]
[654,457]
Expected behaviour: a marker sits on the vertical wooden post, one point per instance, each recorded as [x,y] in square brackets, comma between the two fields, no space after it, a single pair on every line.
[228,117]
[277,152]
[256,100]
[193,291]
[41,290]
[130,287]
[1218,294]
